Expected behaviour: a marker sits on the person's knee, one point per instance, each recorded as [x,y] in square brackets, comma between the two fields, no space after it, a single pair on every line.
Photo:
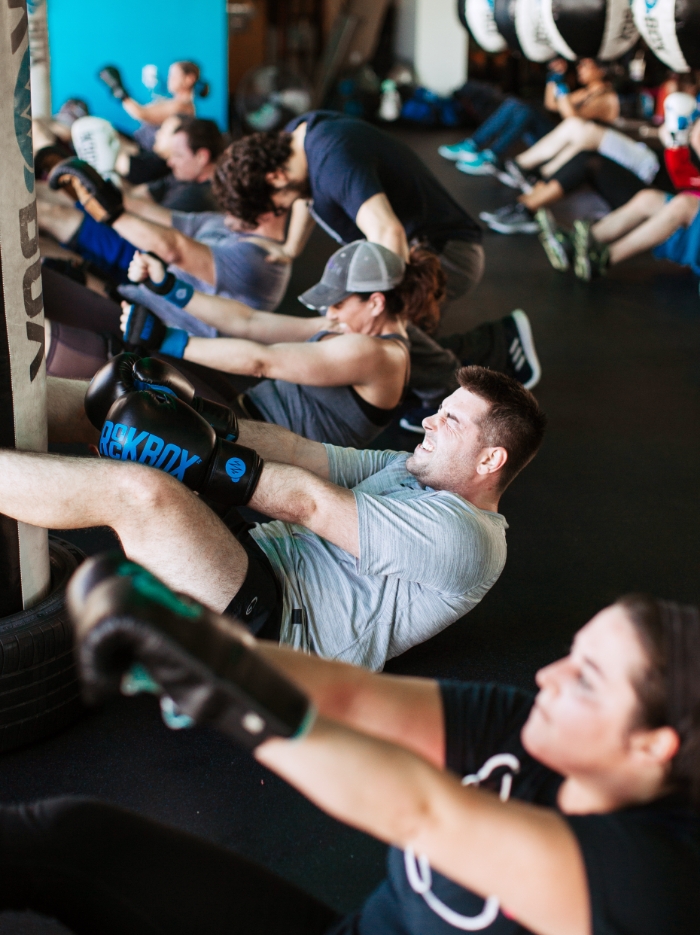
[686,207]
[646,200]
[143,491]
[575,126]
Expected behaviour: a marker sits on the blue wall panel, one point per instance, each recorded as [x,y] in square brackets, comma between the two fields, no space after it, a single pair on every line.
[130,34]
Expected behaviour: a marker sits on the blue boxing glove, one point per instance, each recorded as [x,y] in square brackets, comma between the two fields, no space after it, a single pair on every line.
[144,329]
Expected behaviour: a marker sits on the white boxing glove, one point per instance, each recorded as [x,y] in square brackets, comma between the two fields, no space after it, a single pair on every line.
[96,141]
[680,111]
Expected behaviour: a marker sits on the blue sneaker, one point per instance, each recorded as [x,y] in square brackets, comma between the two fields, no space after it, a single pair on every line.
[484,163]
[458,150]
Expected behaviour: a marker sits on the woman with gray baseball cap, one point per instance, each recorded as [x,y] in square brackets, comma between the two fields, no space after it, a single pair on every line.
[338,378]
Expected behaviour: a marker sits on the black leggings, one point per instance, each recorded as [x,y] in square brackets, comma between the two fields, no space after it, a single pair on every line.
[103,870]
[615,183]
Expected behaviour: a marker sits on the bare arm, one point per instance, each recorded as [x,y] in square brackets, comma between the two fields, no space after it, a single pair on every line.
[301,224]
[154,113]
[551,101]
[346,360]
[377,221]
[148,210]
[525,855]
[405,711]
[169,244]
[295,495]
[274,443]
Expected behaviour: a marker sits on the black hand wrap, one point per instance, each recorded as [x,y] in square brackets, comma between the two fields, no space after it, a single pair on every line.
[129,371]
[101,198]
[207,664]
[112,78]
[144,329]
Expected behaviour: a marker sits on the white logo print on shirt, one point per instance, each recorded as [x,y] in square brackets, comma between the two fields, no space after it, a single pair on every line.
[418,870]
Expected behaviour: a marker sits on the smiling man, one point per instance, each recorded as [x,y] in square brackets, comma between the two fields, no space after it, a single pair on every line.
[368,553]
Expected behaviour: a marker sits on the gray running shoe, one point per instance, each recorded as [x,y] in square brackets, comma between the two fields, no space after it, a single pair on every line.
[513,176]
[518,221]
[499,214]
[553,240]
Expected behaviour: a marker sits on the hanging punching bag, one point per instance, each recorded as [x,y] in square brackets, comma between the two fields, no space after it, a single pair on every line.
[24,558]
[601,29]
[477,16]
[671,29]
[530,29]
[521,25]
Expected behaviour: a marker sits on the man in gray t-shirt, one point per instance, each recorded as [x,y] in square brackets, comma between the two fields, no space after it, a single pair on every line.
[367,553]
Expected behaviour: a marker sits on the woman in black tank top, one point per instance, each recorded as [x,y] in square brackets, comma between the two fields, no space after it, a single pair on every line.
[338,378]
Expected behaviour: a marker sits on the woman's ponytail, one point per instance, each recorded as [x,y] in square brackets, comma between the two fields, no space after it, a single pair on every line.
[419,294]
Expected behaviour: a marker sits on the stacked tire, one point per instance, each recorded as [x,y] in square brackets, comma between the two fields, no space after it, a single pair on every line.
[39,687]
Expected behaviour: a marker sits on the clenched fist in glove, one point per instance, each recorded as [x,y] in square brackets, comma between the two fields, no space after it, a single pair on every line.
[101,198]
[133,634]
[113,79]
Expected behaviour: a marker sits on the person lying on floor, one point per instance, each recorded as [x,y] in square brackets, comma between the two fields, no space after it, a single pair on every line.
[344,383]
[652,219]
[574,811]
[368,552]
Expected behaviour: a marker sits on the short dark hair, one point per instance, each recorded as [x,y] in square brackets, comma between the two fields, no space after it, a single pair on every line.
[189,68]
[202,134]
[668,690]
[239,183]
[514,421]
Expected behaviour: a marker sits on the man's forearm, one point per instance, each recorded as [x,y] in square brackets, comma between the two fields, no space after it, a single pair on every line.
[274,443]
[169,244]
[143,206]
[295,495]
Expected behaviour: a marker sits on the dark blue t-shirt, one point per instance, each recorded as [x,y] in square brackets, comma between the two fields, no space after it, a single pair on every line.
[642,863]
[350,161]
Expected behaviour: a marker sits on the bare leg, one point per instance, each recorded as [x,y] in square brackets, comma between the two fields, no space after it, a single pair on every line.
[637,210]
[548,147]
[66,411]
[543,194]
[680,211]
[161,524]
[61,221]
[584,135]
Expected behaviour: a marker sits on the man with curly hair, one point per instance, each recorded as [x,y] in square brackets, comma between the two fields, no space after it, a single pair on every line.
[355,181]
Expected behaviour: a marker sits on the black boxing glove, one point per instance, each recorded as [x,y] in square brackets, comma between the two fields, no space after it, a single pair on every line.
[133,633]
[101,198]
[145,329]
[160,430]
[150,373]
[112,78]
[118,377]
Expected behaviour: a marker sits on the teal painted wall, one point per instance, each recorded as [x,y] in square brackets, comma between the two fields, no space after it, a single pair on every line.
[84,36]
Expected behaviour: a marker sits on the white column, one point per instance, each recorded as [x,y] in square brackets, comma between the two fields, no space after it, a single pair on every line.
[430,36]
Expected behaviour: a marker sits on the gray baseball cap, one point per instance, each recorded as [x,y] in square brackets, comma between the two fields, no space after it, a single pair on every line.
[358,267]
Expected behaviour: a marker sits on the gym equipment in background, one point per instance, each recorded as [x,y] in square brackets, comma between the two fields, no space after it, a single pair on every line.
[477,16]
[530,31]
[95,140]
[38,685]
[269,97]
[602,29]
[671,29]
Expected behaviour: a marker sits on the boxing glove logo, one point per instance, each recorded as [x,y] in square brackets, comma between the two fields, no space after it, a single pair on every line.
[120,443]
[235,468]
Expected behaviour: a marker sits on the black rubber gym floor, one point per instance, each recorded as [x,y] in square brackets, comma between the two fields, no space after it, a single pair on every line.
[610,505]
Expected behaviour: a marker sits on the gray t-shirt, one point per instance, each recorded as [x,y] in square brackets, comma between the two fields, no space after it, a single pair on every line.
[242,272]
[427,557]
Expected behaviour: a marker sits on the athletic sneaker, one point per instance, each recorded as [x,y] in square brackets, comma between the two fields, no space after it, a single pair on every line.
[523,362]
[514,177]
[517,220]
[498,214]
[412,421]
[591,259]
[458,151]
[555,241]
[483,163]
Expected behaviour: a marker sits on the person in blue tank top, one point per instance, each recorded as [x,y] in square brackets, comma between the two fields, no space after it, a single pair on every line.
[338,378]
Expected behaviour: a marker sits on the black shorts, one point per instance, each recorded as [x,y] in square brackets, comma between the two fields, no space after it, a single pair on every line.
[258,602]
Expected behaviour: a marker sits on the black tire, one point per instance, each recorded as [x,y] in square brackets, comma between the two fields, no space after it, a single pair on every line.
[39,686]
